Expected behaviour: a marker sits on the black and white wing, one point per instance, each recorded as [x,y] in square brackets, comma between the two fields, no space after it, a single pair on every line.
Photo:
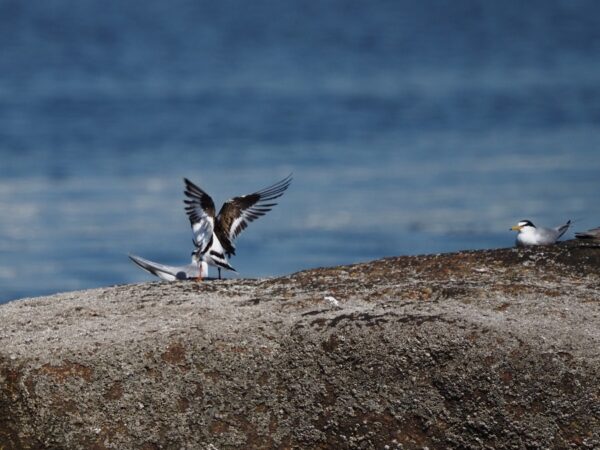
[200,209]
[562,229]
[237,213]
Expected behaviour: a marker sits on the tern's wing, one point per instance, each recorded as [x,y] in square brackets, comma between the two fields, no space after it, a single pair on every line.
[237,213]
[594,233]
[562,229]
[200,209]
[167,273]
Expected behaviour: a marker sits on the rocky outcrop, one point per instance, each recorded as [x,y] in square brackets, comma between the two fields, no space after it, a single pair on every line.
[484,349]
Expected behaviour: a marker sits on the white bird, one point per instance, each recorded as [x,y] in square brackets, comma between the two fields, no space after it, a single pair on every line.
[194,271]
[529,234]
[214,235]
[594,234]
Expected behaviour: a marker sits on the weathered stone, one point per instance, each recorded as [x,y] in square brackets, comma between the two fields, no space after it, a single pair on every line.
[489,349]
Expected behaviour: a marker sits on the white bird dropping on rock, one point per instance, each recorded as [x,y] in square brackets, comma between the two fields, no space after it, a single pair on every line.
[332,301]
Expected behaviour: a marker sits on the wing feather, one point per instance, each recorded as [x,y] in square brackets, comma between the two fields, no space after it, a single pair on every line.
[200,209]
[237,213]
[167,273]
[562,229]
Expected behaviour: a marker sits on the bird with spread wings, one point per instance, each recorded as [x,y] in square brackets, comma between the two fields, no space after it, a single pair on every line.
[214,235]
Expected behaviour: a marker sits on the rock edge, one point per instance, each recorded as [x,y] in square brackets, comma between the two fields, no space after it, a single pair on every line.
[480,349]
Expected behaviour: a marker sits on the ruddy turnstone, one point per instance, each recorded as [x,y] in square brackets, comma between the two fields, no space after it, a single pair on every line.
[214,235]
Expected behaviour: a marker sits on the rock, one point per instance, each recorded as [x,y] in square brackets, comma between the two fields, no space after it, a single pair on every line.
[480,349]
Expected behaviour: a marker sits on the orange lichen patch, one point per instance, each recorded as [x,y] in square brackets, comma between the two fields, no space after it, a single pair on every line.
[153,373]
[382,427]
[218,427]
[213,375]
[263,379]
[115,392]
[331,344]
[513,289]
[453,292]
[412,432]
[107,434]
[472,336]
[62,406]
[574,433]
[30,384]
[175,354]
[506,376]
[329,397]
[9,438]
[273,425]
[183,404]
[568,383]
[516,410]
[503,307]
[149,446]
[199,391]
[417,294]
[261,408]
[536,407]
[425,293]
[11,381]
[67,370]
[253,438]
[228,347]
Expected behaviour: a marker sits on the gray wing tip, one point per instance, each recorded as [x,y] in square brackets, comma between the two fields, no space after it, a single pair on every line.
[276,190]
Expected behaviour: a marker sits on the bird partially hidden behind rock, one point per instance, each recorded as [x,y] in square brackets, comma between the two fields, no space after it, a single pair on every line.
[193,271]
[529,234]
[593,234]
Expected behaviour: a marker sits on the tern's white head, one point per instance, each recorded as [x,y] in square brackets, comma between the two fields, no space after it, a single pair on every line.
[523,225]
[203,265]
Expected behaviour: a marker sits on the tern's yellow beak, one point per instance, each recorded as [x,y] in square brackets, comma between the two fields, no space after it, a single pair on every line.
[516,228]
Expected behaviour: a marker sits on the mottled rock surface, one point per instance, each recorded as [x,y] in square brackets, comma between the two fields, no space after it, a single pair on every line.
[487,349]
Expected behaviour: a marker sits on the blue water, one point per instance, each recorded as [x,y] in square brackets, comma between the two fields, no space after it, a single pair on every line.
[410,127]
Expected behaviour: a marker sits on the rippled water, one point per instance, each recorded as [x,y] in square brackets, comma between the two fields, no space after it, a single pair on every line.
[410,128]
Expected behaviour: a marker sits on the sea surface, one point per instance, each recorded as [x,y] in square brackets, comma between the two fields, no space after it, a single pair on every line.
[409,127]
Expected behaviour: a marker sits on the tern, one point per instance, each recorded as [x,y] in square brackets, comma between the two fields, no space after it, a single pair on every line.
[213,235]
[529,234]
[193,271]
[593,234]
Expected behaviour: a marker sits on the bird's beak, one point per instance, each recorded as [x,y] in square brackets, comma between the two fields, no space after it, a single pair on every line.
[516,228]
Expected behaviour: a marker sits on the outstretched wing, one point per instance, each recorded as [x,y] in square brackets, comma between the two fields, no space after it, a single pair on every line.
[237,213]
[562,229]
[167,273]
[200,209]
